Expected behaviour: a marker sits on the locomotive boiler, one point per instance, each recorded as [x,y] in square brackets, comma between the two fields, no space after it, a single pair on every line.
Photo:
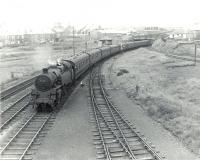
[51,85]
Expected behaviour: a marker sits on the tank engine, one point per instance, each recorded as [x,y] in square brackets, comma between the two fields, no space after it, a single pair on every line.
[51,85]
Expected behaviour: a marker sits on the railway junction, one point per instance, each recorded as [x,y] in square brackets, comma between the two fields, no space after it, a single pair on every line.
[97,120]
[99,80]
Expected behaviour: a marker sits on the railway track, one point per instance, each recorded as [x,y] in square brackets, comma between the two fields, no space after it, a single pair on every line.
[14,103]
[5,108]
[19,146]
[115,137]
[15,89]
[14,111]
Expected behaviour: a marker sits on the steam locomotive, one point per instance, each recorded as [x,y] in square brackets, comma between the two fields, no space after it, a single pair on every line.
[51,85]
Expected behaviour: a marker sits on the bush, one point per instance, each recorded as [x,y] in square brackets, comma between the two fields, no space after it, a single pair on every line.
[119,73]
[122,71]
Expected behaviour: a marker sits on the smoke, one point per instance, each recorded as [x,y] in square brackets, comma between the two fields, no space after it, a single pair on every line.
[51,62]
[17,63]
[42,57]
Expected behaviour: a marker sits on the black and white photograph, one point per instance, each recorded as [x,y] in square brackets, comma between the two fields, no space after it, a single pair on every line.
[99,80]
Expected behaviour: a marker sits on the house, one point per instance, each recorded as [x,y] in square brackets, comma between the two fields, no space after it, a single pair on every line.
[105,41]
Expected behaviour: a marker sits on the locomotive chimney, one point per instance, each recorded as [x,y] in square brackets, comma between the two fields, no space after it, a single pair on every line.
[45,70]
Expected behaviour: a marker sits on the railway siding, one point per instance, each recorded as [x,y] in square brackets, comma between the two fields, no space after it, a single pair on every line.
[18,147]
[114,136]
[17,88]
[136,62]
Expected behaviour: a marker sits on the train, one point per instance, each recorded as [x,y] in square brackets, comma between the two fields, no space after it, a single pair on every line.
[54,81]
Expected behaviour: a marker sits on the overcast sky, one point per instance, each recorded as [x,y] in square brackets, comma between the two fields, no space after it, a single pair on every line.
[18,15]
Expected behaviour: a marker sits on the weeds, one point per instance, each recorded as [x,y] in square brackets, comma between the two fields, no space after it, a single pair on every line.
[122,71]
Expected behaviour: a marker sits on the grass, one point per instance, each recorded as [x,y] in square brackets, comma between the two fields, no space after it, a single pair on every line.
[168,95]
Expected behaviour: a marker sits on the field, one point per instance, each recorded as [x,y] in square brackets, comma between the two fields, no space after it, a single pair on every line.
[175,47]
[167,89]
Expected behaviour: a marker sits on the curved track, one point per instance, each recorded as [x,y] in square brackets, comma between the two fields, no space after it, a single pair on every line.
[115,137]
[20,144]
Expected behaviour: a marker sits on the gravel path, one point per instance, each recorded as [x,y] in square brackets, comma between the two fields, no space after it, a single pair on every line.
[70,138]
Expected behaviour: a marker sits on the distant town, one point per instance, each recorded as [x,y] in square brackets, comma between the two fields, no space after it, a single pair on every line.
[60,33]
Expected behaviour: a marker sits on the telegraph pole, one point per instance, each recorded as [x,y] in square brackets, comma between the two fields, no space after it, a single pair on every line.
[85,41]
[195,52]
[73,42]
[85,46]
[195,49]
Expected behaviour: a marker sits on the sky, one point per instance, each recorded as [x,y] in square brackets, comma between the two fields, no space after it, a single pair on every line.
[40,15]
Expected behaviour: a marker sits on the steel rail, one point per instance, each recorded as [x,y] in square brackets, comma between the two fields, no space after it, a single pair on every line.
[142,140]
[32,140]
[106,150]
[17,88]
[4,148]
[115,120]
[17,101]
[13,116]
[113,132]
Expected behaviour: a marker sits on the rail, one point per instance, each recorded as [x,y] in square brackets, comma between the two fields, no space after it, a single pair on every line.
[107,116]
[17,88]
[37,123]
[9,118]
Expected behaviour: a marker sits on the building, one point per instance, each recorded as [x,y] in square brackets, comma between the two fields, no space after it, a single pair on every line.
[105,41]
[26,39]
[196,31]
[181,34]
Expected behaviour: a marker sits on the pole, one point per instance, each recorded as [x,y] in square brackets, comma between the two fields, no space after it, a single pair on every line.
[195,52]
[86,46]
[73,42]
[85,41]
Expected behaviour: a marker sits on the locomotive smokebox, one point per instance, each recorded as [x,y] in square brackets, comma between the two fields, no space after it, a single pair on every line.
[45,70]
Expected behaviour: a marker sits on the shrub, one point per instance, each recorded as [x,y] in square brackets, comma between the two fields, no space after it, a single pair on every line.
[122,71]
